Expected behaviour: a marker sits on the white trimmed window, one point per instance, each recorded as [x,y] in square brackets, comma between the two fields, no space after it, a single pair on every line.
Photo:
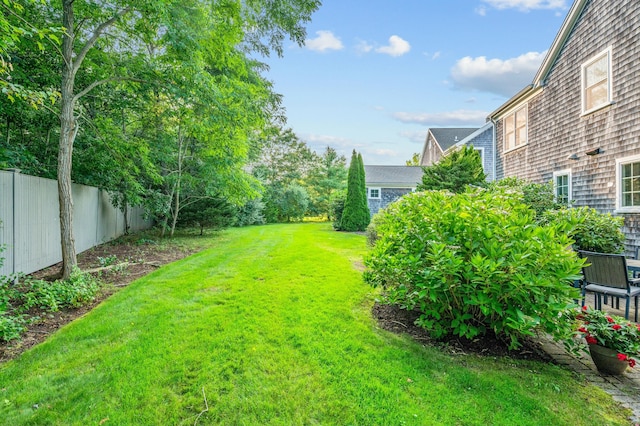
[562,186]
[515,129]
[374,193]
[596,82]
[628,180]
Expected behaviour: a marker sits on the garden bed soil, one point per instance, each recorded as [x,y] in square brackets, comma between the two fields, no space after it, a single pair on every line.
[401,321]
[133,261]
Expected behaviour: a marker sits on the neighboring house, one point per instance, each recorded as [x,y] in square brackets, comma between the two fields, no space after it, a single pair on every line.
[386,184]
[482,140]
[578,123]
[439,140]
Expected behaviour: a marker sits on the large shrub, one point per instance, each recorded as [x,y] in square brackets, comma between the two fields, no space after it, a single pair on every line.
[473,262]
[590,229]
[538,196]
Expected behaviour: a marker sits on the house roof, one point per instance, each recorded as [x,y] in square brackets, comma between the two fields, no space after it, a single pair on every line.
[447,137]
[550,59]
[470,138]
[393,176]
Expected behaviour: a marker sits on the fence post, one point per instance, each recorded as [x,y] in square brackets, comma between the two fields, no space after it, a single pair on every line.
[14,172]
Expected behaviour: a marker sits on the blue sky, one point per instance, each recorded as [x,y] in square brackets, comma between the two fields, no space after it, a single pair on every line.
[374,75]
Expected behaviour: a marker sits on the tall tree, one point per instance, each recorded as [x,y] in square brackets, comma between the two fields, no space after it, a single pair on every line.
[355,215]
[327,177]
[220,34]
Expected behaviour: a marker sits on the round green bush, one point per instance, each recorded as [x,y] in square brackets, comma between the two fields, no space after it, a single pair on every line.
[590,229]
[473,262]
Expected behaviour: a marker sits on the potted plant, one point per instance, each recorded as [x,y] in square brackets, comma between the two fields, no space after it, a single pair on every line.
[612,341]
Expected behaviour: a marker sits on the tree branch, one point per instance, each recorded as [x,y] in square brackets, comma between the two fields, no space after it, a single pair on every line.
[94,37]
[103,81]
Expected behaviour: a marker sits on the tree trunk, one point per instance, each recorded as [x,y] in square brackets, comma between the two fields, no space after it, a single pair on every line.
[68,130]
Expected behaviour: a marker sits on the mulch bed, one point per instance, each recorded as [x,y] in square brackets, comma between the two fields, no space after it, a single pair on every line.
[401,321]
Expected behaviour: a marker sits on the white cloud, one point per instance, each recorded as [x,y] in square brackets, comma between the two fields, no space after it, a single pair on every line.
[415,136]
[363,47]
[481,10]
[396,47]
[525,5]
[325,41]
[502,77]
[461,117]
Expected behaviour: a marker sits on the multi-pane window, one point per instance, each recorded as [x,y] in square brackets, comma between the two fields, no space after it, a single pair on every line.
[562,184]
[596,82]
[515,129]
[374,192]
[630,175]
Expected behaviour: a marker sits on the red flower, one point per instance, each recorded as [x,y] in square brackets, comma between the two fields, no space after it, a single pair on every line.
[616,327]
[632,362]
[610,319]
[584,308]
[582,330]
[591,340]
[622,357]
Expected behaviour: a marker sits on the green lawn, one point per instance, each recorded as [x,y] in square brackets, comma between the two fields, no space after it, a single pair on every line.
[272,325]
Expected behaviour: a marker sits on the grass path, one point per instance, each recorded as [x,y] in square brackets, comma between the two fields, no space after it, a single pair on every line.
[273,324]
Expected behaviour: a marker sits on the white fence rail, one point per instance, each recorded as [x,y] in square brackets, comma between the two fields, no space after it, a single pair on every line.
[30,229]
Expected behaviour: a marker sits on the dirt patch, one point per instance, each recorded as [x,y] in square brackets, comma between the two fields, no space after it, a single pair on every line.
[396,320]
[118,263]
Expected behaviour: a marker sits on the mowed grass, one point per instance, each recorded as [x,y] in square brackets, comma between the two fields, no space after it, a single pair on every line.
[272,325]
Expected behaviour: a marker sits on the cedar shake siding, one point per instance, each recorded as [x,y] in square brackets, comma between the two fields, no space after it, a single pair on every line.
[557,127]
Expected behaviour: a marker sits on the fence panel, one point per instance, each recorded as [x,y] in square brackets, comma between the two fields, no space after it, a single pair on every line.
[30,228]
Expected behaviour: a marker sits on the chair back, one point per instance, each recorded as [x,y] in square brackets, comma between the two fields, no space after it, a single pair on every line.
[605,269]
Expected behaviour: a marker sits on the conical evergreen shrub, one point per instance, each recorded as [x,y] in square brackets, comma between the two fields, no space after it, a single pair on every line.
[355,216]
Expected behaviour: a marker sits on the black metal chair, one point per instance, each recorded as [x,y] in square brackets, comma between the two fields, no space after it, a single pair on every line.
[607,275]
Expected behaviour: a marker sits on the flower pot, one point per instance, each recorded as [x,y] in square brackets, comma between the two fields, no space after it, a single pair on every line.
[606,360]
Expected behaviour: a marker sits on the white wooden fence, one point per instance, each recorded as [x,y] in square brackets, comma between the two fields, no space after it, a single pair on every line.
[30,228]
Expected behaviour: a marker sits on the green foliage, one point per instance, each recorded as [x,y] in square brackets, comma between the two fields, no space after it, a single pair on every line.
[251,213]
[337,207]
[327,177]
[21,295]
[473,262]
[538,196]
[355,215]
[294,203]
[590,229]
[454,172]
[208,212]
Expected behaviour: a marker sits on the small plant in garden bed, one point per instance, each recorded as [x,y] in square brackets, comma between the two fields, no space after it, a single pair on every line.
[23,299]
[595,327]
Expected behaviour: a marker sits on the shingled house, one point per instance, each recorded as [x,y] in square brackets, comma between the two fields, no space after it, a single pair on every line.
[441,141]
[578,123]
[386,184]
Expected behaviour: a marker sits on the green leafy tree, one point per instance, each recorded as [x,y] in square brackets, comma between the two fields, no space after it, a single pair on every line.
[454,172]
[539,196]
[355,215]
[190,55]
[293,203]
[415,160]
[327,177]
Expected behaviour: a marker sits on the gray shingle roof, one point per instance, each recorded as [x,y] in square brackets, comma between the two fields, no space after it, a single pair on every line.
[447,137]
[392,176]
